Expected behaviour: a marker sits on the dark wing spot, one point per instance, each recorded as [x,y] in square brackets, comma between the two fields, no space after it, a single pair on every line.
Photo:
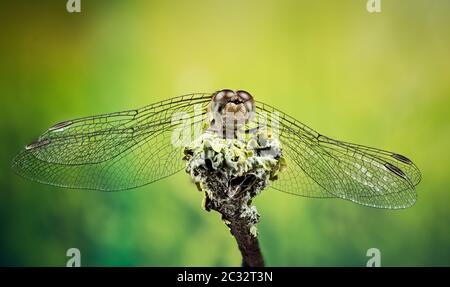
[402,158]
[395,170]
[60,125]
[37,144]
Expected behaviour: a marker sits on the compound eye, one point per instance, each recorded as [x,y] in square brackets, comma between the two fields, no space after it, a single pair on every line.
[220,99]
[244,96]
[223,96]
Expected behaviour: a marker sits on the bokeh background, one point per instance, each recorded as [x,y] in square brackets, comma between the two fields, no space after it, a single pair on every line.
[379,79]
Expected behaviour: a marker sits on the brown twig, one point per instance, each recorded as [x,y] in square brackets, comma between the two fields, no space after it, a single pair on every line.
[248,245]
[240,229]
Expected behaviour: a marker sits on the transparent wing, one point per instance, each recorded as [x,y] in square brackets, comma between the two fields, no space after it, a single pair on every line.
[322,167]
[112,151]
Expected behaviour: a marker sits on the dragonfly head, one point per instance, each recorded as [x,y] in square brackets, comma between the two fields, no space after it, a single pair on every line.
[235,102]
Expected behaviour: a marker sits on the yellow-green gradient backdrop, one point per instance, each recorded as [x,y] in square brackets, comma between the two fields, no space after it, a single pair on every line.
[379,79]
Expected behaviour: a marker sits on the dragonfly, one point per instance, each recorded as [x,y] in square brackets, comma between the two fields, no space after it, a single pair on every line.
[133,148]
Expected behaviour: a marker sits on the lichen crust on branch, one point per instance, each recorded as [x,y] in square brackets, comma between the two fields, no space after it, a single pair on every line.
[232,172]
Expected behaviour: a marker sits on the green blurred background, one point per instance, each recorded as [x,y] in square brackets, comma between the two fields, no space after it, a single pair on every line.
[379,79]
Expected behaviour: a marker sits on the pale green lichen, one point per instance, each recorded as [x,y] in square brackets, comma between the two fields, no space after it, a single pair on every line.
[233,171]
[254,230]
